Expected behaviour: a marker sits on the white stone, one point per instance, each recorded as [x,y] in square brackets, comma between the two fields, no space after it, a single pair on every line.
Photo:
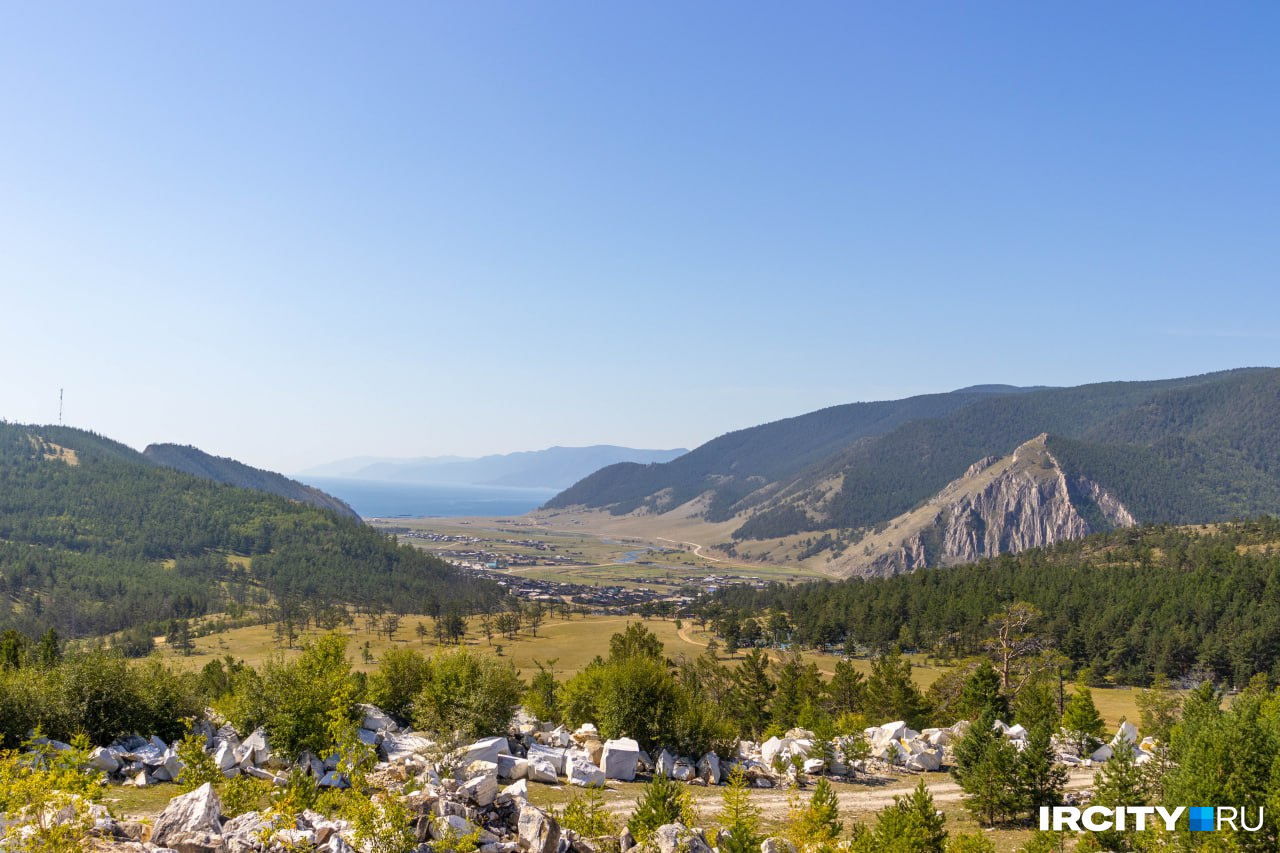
[1126,732]
[542,770]
[487,749]
[676,838]
[225,756]
[333,779]
[1017,732]
[929,760]
[511,767]
[197,811]
[482,790]
[1102,753]
[891,731]
[550,754]
[104,760]
[583,773]
[375,719]
[397,748]
[814,765]
[538,831]
[772,749]
[259,747]
[709,768]
[619,759]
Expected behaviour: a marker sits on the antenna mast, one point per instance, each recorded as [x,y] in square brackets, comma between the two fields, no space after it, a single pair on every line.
[59,407]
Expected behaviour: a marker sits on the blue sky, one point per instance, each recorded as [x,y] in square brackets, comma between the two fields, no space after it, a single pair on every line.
[293,232]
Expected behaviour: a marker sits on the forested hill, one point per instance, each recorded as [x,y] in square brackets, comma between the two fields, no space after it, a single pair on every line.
[1194,449]
[94,538]
[1184,602]
[740,463]
[223,470]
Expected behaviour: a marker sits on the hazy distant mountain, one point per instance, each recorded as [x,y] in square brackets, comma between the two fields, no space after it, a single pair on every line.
[223,470]
[553,468]
[351,468]
[889,486]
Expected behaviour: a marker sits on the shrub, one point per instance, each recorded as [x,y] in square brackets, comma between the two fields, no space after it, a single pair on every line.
[585,814]
[401,676]
[381,824]
[817,822]
[198,766]
[41,782]
[911,825]
[663,801]
[739,817]
[295,700]
[468,694]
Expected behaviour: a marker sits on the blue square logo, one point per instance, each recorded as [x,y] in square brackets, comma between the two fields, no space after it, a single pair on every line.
[1202,819]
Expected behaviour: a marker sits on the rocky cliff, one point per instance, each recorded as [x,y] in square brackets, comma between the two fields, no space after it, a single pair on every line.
[1025,500]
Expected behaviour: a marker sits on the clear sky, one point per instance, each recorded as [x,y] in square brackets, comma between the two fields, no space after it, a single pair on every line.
[294,232]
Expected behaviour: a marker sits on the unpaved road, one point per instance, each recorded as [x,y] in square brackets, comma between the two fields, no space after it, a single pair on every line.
[874,794]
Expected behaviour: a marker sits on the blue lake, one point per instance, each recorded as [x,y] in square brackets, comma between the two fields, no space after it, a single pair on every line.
[374,498]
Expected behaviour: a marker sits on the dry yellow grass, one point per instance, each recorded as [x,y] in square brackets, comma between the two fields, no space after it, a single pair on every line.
[570,643]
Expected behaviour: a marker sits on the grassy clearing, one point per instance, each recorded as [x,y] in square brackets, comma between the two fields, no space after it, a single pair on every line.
[571,643]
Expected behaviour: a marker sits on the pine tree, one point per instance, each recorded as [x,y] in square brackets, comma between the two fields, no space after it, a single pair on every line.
[987,769]
[1120,782]
[818,821]
[981,693]
[663,801]
[739,818]
[911,825]
[752,691]
[891,694]
[1081,721]
[1040,780]
[847,691]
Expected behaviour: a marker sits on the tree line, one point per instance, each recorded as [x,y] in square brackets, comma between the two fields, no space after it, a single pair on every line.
[1191,604]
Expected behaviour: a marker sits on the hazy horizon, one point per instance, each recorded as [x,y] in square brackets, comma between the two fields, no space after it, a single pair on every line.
[292,234]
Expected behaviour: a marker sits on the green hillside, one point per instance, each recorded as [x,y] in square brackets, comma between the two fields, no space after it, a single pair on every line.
[233,473]
[1200,448]
[94,538]
[739,463]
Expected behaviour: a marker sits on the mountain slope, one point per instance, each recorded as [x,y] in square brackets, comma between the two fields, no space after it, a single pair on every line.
[1024,500]
[736,465]
[95,538]
[223,470]
[1192,449]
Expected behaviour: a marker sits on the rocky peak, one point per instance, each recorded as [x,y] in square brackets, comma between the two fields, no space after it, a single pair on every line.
[1006,505]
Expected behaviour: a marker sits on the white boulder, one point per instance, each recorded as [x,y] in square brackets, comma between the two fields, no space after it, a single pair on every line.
[487,749]
[197,811]
[583,773]
[619,758]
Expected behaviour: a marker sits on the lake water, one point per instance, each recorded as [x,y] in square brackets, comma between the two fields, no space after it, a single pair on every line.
[373,498]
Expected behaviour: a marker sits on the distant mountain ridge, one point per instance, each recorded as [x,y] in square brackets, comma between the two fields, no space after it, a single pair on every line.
[551,468]
[221,469]
[824,488]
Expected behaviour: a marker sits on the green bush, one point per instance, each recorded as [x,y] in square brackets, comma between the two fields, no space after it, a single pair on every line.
[401,676]
[661,802]
[468,694]
[585,814]
[295,700]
